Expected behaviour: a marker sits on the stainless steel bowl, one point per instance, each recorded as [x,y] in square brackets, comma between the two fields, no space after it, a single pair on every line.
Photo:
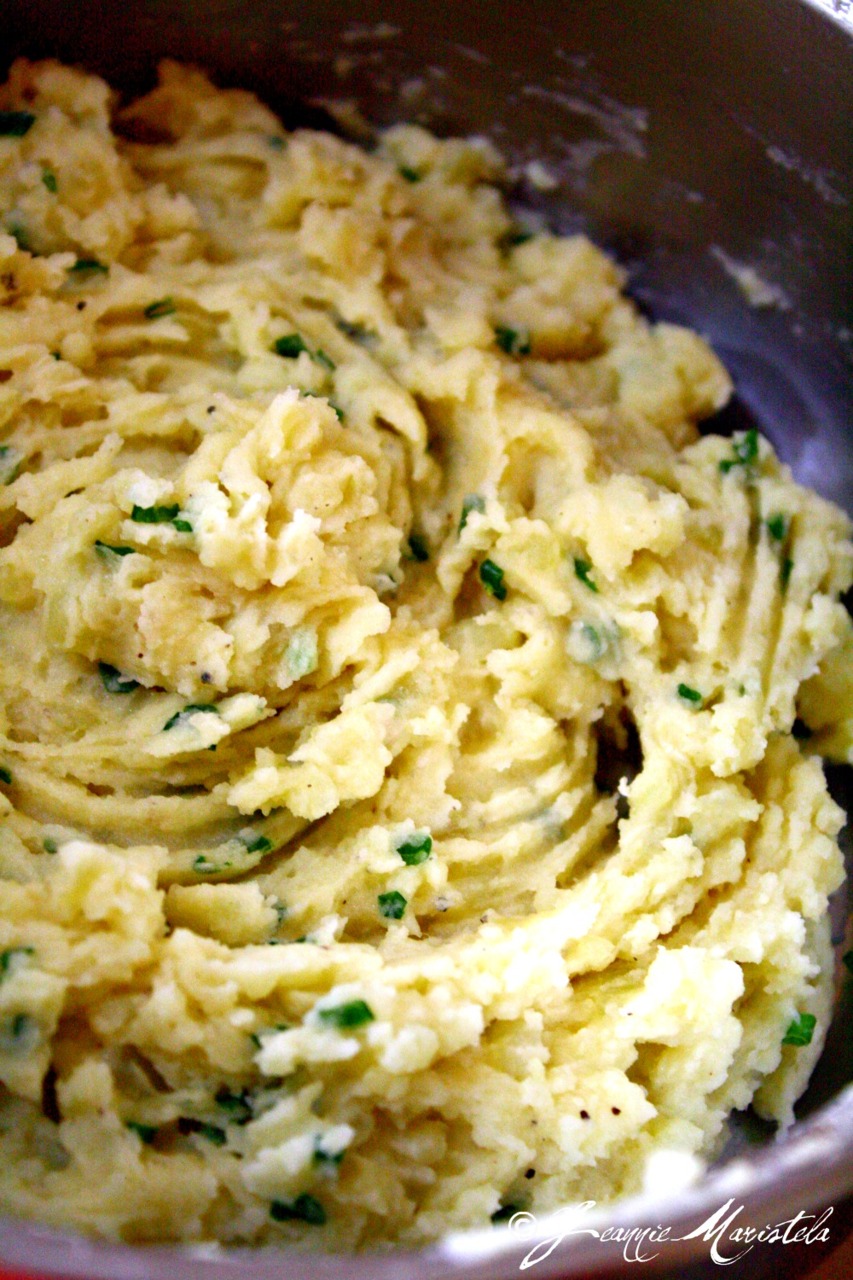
[692,140]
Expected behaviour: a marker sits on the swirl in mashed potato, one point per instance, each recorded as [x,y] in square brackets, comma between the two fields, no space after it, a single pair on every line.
[400,814]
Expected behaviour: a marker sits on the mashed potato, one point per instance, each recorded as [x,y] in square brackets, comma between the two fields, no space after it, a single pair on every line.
[401,817]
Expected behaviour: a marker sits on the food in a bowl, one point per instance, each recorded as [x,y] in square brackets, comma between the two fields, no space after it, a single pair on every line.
[411,803]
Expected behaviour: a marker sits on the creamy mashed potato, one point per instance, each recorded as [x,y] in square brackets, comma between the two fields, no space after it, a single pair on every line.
[401,817]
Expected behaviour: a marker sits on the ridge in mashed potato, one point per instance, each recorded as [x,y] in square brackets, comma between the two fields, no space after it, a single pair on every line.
[401,814]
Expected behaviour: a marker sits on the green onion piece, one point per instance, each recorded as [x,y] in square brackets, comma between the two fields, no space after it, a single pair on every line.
[253,843]
[290,345]
[238,1105]
[785,570]
[5,775]
[48,177]
[491,576]
[410,174]
[471,502]
[326,361]
[418,548]
[182,526]
[10,960]
[582,571]
[114,681]
[801,1030]
[688,694]
[745,450]
[188,710]
[14,124]
[49,845]
[392,905]
[108,552]
[343,1016]
[155,515]
[326,1159]
[515,342]
[504,1214]
[163,307]
[304,1208]
[20,234]
[416,848]
[777,526]
[88,267]
[147,1132]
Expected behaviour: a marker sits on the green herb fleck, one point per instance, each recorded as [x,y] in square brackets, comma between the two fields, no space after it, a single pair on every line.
[289,345]
[801,1030]
[110,553]
[328,1160]
[582,571]
[410,174]
[182,526]
[162,307]
[188,711]
[147,1132]
[514,238]
[492,578]
[392,905]
[84,268]
[114,681]
[10,464]
[344,1016]
[155,515]
[48,177]
[238,1105]
[14,124]
[253,843]
[19,1034]
[785,570]
[416,848]
[418,548]
[12,959]
[5,775]
[326,361]
[49,845]
[777,526]
[515,342]
[689,695]
[504,1214]
[305,1208]
[745,450]
[471,502]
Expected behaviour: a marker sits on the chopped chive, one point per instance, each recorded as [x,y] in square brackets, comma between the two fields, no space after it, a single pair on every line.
[515,342]
[745,450]
[410,174]
[392,905]
[416,848]
[203,866]
[801,1030]
[20,234]
[182,526]
[777,526]
[84,267]
[114,681]
[491,576]
[253,843]
[305,1208]
[5,775]
[155,515]
[14,124]
[10,959]
[19,1034]
[49,844]
[188,710]
[108,552]
[48,178]
[289,345]
[343,1016]
[418,548]
[326,1159]
[326,361]
[504,1214]
[237,1105]
[163,307]
[582,571]
[514,238]
[337,410]
[471,502]
[688,694]
[147,1132]
[785,569]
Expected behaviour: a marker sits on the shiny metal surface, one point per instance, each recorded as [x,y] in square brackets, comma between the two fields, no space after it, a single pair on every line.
[692,140]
